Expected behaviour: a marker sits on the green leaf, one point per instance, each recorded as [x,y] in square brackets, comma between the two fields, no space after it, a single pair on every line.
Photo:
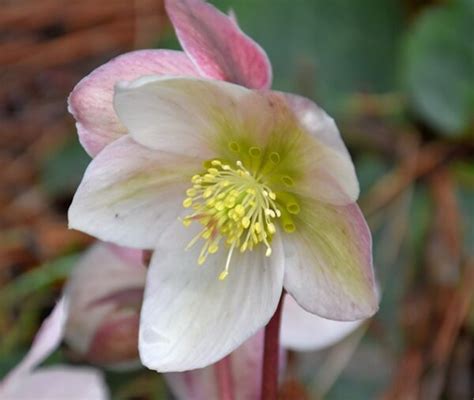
[438,69]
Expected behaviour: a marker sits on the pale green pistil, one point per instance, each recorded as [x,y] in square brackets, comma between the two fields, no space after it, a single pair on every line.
[236,209]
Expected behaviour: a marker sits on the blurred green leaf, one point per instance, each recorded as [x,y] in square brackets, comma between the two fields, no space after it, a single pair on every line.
[37,279]
[62,171]
[370,168]
[438,69]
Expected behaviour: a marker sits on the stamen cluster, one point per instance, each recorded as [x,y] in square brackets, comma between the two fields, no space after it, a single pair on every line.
[234,207]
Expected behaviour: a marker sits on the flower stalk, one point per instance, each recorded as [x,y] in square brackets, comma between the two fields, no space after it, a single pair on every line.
[271,354]
[225,385]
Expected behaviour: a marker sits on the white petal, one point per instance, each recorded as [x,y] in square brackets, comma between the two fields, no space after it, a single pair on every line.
[189,318]
[303,331]
[99,273]
[245,364]
[58,383]
[130,193]
[185,115]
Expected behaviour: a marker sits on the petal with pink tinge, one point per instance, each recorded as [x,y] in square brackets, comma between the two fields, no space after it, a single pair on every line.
[91,101]
[217,46]
[328,262]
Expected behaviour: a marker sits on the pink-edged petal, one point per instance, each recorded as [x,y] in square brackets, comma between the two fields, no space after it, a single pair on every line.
[46,341]
[328,267]
[303,331]
[217,46]
[330,175]
[190,319]
[130,193]
[58,383]
[245,365]
[91,101]
[97,290]
[196,117]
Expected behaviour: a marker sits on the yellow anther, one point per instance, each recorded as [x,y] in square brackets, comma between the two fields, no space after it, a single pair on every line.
[186,222]
[223,275]
[271,228]
[187,202]
[213,248]
[245,222]
[240,210]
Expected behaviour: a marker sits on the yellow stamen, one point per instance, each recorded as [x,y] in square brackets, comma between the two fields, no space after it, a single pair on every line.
[233,204]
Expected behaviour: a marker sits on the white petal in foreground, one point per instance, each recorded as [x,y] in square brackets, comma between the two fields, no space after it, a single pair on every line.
[189,318]
[328,268]
[303,331]
[130,193]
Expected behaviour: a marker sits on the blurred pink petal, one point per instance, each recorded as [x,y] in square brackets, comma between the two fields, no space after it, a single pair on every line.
[217,46]
[46,340]
[52,383]
[105,292]
[91,101]
[303,331]
[59,383]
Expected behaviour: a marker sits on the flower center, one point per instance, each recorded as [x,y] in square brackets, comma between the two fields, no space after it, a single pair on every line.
[235,208]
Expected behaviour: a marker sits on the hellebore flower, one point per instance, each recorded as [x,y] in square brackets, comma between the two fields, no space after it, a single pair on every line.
[105,293]
[55,382]
[256,186]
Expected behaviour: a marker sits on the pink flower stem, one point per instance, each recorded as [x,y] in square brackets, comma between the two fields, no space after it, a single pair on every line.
[225,385]
[271,352]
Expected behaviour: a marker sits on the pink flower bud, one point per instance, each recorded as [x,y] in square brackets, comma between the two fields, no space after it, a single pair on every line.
[105,292]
